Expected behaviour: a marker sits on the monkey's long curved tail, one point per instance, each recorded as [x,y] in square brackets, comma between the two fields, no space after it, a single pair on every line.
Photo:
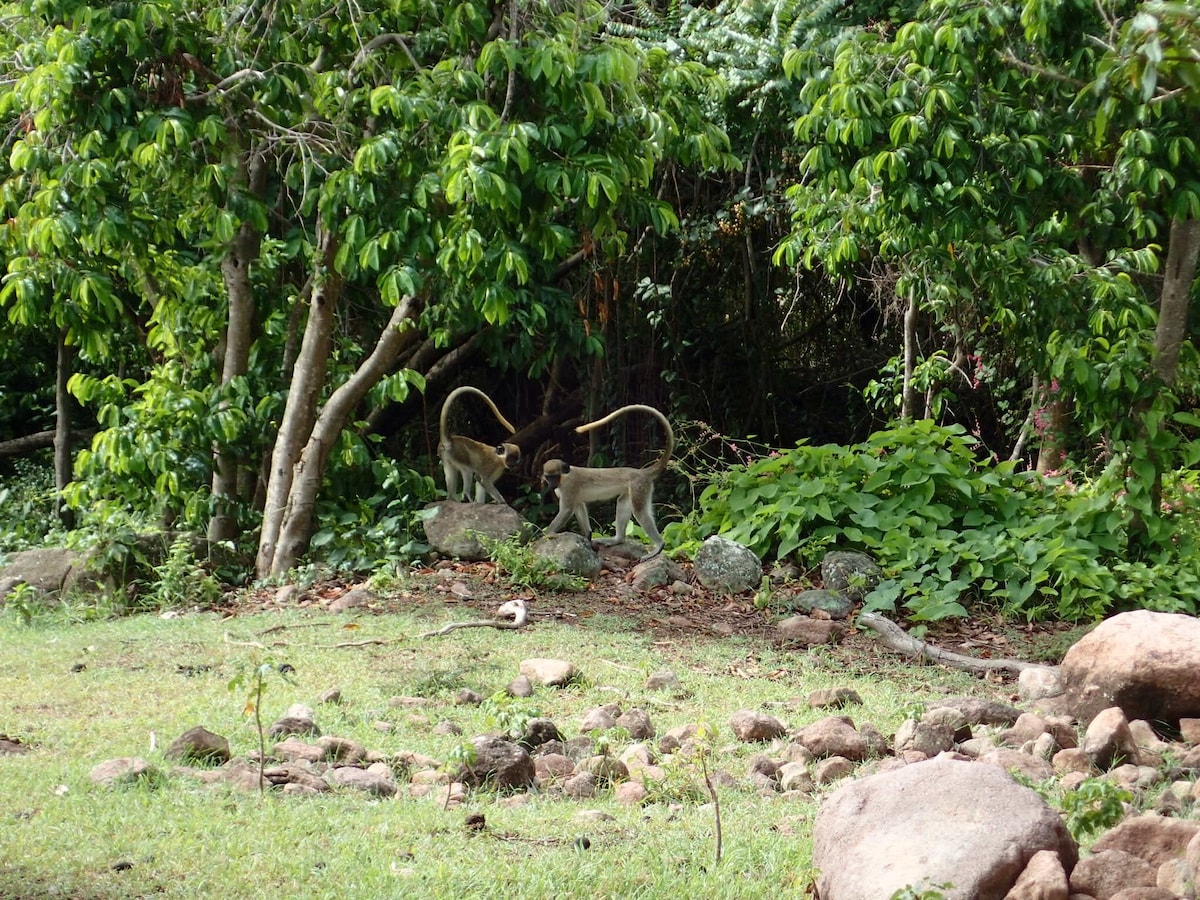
[468,389]
[660,464]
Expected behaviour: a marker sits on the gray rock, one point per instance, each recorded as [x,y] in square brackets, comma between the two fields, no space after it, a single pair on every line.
[850,572]
[832,736]
[751,725]
[453,529]
[550,672]
[497,764]
[932,823]
[834,698]
[805,631]
[637,723]
[838,606]
[664,681]
[1108,740]
[570,553]
[199,745]
[123,770]
[376,779]
[657,572]
[727,567]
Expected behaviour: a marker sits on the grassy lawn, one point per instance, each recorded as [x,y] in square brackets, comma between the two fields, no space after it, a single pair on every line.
[79,694]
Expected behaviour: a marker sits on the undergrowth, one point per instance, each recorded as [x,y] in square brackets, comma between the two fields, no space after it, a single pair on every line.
[954,533]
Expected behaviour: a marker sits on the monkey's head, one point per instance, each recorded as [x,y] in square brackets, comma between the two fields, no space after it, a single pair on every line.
[509,454]
[552,473]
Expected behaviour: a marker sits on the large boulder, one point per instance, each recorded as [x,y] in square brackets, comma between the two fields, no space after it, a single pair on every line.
[1144,662]
[726,566]
[454,529]
[570,553]
[967,826]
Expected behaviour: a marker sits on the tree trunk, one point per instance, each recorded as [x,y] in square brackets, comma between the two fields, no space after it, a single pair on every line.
[299,412]
[62,429]
[235,270]
[297,525]
[908,403]
[1178,278]
[1052,426]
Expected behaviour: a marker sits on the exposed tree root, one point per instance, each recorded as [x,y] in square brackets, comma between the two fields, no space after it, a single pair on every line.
[895,638]
[514,608]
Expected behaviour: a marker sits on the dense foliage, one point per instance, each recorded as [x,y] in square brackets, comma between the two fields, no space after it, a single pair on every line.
[253,247]
[954,533]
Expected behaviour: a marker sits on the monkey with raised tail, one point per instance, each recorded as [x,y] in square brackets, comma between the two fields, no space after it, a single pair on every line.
[464,460]
[633,489]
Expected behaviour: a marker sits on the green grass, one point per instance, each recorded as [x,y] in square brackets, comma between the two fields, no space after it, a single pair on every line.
[80,694]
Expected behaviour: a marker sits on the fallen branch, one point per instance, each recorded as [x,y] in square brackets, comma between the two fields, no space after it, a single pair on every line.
[895,638]
[275,628]
[514,608]
[369,642]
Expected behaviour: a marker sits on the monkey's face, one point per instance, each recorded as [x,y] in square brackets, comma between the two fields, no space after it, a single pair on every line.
[510,454]
[552,473]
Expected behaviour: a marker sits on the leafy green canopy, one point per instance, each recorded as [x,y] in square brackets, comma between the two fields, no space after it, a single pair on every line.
[460,152]
[1020,166]
[953,534]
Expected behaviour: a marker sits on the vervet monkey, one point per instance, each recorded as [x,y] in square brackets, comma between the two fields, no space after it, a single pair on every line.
[633,489]
[468,459]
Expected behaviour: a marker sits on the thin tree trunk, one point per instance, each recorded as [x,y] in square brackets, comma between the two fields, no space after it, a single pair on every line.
[297,525]
[1178,277]
[235,270]
[299,413]
[1052,453]
[62,429]
[908,403]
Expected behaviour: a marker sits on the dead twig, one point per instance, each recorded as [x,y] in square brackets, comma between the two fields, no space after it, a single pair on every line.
[514,608]
[895,638]
[275,628]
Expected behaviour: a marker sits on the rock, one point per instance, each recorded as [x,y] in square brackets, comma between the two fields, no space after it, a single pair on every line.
[289,725]
[850,572]
[750,725]
[809,632]
[521,686]
[552,767]
[497,764]
[1155,839]
[931,823]
[332,696]
[467,697]
[929,738]
[550,672]
[1189,730]
[607,769]
[342,750]
[199,745]
[833,698]
[570,553]
[352,599]
[597,719]
[454,529]
[538,732]
[1042,879]
[793,776]
[1038,683]
[375,780]
[630,793]
[637,723]
[581,786]
[1108,740]
[293,750]
[726,567]
[1015,761]
[831,769]
[838,606]
[1110,667]
[49,570]
[123,770]
[10,746]
[664,681]
[833,736]
[657,572]
[1028,727]
[1106,872]
[976,711]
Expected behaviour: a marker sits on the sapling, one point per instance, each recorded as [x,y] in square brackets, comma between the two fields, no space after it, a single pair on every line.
[254,680]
